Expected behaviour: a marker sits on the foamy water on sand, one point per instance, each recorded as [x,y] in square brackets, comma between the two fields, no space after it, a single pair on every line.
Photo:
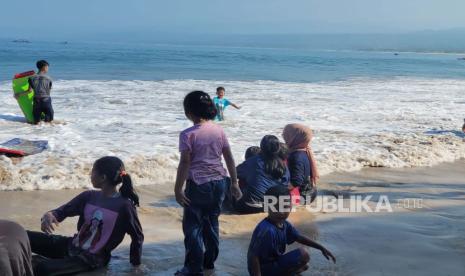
[400,122]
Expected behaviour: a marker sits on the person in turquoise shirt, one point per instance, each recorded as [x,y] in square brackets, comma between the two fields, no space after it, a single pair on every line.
[221,103]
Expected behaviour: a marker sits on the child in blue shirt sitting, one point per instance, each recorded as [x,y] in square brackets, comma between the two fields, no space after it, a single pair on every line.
[221,103]
[266,255]
[260,173]
[249,153]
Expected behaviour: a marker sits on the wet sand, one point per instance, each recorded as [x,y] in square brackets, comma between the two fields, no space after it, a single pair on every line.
[408,241]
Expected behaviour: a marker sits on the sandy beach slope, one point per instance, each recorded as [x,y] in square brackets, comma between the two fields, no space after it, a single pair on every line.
[409,241]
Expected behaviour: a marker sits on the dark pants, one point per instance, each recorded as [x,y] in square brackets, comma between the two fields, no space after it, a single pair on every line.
[239,206]
[40,106]
[55,250]
[242,207]
[284,265]
[200,225]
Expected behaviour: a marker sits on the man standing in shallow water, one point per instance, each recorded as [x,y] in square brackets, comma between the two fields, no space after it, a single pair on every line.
[41,83]
[463,127]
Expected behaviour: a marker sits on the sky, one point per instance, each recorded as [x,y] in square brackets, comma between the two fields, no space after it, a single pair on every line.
[65,19]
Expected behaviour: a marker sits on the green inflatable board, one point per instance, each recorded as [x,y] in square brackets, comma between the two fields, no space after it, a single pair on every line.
[21,84]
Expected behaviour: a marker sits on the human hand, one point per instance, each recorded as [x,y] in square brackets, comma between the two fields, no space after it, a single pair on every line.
[47,222]
[314,179]
[236,191]
[328,254]
[182,199]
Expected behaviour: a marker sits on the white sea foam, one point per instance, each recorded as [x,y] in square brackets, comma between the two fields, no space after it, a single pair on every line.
[398,122]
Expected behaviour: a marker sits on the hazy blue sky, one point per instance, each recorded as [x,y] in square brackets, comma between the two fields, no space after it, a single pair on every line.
[66,19]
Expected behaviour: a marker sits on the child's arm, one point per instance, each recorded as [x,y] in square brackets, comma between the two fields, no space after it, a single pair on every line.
[235,106]
[315,175]
[181,177]
[229,159]
[297,173]
[232,104]
[255,266]
[308,242]
[47,221]
[17,95]
[73,208]
[137,237]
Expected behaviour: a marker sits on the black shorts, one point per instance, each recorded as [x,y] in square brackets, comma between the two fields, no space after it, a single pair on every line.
[42,106]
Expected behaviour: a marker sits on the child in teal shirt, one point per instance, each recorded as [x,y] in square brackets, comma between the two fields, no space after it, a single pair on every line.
[221,103]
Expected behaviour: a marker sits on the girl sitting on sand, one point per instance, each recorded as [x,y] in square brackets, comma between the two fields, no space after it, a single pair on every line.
[261,173]
[105,217]
[301,162]
[201,147]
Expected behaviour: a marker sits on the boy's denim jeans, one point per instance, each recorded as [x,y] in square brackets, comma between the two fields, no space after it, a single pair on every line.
[200,225]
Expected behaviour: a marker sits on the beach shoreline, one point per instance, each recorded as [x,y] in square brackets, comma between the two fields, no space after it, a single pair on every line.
[357,122]
[422,241]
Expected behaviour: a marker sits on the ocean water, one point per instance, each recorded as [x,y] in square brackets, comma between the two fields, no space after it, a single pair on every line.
[366,108]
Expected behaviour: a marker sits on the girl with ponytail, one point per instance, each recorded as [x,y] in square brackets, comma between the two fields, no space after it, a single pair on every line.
[106,215]
[110,165]
[261,173]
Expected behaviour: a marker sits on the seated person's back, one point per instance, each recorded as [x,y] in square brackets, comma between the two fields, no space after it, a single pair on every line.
[260,173]
[249,153]
[258,181]
[299,168]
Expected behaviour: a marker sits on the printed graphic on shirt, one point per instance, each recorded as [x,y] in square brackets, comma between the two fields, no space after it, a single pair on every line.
[96,230]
